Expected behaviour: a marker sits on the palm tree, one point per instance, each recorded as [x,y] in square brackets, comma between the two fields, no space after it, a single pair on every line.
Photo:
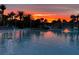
[77,21]
[20,14]
[73,17]
[42,19]
[29,16]
[11,18]
[2,7]
[11,15]
[28,20]
[72,22]
[78,17]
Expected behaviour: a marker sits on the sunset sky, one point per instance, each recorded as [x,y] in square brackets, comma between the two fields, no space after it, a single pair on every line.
[50,11]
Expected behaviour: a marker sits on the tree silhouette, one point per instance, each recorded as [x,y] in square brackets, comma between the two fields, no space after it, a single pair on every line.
[20,14]
[77,17]
[28,20]
[65,24]
[72,21]
[59,23]
[73,17]
[77,22]
[2,7]
[11,15]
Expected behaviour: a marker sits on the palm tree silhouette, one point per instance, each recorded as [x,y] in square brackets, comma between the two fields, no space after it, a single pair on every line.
[72,21]
[78,17]
[77,21]
[20,14]
[73,17]
[2,7]
[11,15]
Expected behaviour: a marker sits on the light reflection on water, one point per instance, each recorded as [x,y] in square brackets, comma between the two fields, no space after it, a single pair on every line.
[28,41]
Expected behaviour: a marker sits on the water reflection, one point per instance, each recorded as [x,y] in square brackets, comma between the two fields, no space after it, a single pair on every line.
[48,35]
[28,41]
[66,30]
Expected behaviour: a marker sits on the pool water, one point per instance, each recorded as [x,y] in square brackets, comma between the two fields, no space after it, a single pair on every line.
[39,42]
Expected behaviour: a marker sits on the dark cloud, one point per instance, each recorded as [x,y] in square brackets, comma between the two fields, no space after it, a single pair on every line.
[63,8]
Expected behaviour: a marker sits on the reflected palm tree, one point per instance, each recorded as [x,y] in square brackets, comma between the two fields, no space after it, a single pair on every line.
[74,39]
